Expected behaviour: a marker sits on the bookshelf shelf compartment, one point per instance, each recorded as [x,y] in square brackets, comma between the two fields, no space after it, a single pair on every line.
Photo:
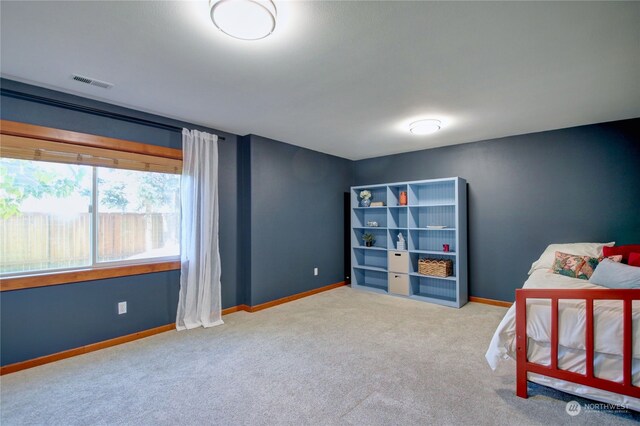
[398,218]
[375,259]
[414,258]
[370,279]
[435,252]
[437,202]
[433,288]
[379,234]
[393,194]
[432,229]
[370,248]
[371,268]
[433,240]
[370,227]
[421,217]
[393,238]
[363,215]
[370,208]
[433,277]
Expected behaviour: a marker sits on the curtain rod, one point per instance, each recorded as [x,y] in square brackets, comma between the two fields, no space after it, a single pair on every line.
[90,110]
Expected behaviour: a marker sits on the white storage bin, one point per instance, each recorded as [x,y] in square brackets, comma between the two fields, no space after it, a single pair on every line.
[398,261]
[399,284]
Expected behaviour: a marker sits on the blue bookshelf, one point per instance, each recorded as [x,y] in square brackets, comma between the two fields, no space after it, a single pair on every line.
[435,214]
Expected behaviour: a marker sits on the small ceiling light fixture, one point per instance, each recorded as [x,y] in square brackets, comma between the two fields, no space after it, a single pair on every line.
[425,127]
[244,19]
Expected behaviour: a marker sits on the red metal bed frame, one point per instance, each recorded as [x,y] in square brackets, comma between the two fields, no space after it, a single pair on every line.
[552,370]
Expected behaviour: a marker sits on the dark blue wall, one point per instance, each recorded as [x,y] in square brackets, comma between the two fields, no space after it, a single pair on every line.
[296,218]
[280,210]
[281,216]
[46,320]
[525,192]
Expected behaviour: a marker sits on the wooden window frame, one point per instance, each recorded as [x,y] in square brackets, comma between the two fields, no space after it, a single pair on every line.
[44,279]
[15,128]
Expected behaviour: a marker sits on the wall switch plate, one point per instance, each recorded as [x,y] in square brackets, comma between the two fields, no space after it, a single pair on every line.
[315,271]
[122,308]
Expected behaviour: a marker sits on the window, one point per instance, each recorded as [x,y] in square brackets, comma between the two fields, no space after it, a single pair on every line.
[71,212]
[138,215]
[47,221]
[44,216]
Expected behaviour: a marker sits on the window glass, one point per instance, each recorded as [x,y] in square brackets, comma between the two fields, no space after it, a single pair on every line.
[47,222]
[138,215]
[45,219]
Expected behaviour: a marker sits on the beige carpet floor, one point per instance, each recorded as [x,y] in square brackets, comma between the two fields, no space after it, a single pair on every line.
[339,357]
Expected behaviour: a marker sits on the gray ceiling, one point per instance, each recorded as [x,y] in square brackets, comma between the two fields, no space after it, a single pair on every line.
[344,78]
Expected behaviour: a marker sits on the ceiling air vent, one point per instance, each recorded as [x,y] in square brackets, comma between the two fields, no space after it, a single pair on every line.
[92,81]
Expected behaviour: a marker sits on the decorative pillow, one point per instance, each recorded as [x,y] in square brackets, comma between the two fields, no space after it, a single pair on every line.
[623,250]
[583,249]
[590,264]
[568,265]
[634,259]
[575,266]
[616,275]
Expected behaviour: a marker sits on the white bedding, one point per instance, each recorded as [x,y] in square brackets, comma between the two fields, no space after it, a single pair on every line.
[572,324]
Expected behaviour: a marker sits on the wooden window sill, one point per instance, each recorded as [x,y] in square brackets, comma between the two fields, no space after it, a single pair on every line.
[67,277]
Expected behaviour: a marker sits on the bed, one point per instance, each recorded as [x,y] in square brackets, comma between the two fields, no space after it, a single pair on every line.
[608,338]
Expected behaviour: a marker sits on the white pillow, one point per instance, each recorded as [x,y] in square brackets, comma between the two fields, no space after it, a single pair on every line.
[616,275]
[581,249]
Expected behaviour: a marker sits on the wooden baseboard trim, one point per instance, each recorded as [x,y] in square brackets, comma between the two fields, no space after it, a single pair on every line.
[46,359]
[276,302]
[235,309]
[490,301]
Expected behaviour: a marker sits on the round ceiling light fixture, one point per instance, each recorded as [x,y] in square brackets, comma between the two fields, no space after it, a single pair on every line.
[425,127]
[244,19]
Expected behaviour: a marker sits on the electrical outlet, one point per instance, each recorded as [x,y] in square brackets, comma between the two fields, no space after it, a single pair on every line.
[122,308]
[315,271]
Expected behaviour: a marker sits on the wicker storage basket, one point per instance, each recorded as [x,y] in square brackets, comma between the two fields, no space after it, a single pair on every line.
[435,267]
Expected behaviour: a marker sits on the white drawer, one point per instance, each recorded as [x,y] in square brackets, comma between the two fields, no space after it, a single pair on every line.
[398,261]
[399,284]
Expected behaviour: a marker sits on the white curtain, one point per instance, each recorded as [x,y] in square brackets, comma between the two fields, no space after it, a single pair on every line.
[199,304]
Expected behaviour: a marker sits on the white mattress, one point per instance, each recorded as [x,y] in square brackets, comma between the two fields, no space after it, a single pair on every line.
[571,337]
